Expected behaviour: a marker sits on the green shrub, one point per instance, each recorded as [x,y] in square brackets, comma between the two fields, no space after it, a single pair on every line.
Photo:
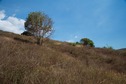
[87,42]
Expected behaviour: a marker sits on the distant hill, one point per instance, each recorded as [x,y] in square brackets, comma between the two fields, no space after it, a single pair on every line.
[22,61]
[124,49]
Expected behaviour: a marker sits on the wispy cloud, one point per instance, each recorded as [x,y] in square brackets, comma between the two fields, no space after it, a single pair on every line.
[70,41]
[11,23]
[74,38]
[2,15]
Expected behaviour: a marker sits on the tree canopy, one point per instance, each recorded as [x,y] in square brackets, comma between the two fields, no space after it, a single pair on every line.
[39,24]
[87,42]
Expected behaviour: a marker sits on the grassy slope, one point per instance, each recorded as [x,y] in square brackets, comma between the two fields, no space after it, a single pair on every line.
[24,62]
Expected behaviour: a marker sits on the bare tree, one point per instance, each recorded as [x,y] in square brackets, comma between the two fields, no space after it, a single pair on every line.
[40,25]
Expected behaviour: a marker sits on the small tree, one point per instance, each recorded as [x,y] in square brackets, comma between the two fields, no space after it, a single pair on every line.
[40,25]
[87,42]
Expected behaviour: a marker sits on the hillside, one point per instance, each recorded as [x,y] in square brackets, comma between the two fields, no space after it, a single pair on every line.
[22,61]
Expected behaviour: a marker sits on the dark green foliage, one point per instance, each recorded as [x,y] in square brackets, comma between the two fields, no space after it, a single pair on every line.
[87,42]
[78,43]
[27,33]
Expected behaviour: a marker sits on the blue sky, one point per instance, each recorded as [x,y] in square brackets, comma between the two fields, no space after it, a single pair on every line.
[103,21]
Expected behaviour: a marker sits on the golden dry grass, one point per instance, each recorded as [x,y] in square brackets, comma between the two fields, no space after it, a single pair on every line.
[24,62]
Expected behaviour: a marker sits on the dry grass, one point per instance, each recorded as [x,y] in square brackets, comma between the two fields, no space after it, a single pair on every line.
[24,62]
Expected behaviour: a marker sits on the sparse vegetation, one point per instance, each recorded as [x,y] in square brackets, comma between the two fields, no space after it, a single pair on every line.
[74,43]
[108,47]
[27,63]
[78,43]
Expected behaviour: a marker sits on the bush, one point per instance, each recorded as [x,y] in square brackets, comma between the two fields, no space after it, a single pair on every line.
[87,42]
[73,44]
[78,43]
[27,33]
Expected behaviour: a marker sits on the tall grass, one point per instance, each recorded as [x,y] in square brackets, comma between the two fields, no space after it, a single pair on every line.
[28,63]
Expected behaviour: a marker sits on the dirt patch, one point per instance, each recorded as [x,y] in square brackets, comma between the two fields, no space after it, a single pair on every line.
[79,46]
[58,43]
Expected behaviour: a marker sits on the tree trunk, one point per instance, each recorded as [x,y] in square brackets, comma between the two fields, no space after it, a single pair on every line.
[40,40]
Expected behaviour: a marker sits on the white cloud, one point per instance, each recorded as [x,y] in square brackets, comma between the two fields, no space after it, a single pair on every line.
[11,23]
[75,37]
[2,15]
[70,41]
